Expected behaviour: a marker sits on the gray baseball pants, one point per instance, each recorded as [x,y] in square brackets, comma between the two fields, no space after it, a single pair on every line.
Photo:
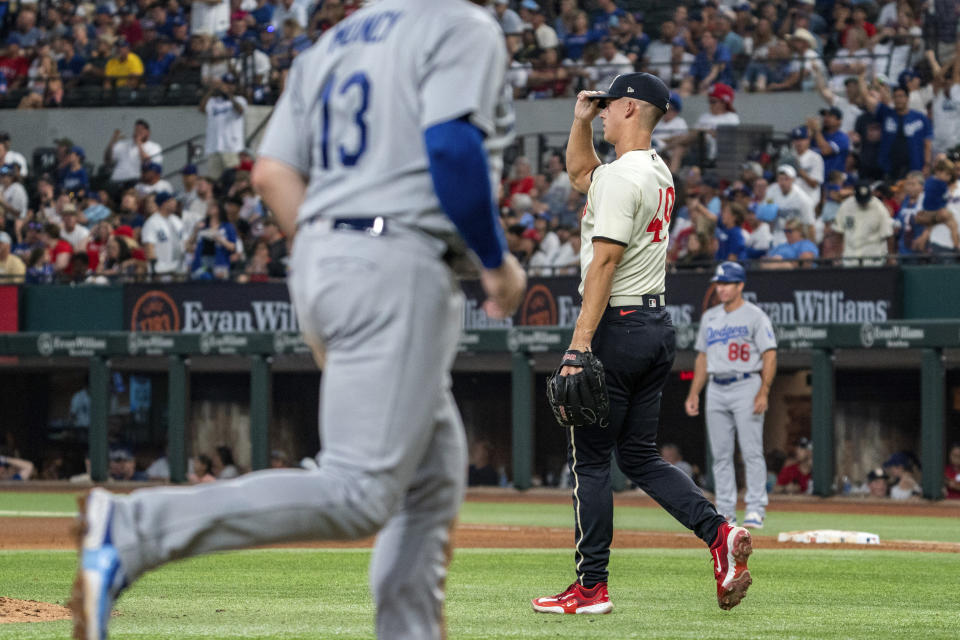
[388,311]
[730,414]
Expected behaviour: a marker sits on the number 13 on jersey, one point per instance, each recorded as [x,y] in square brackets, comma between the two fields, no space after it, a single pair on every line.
[357,84]
[661,220]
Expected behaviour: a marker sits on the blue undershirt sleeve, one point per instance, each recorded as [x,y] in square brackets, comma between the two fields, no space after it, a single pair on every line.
[461,179]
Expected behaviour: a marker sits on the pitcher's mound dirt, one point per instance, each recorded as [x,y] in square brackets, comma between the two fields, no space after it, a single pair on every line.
[13,610]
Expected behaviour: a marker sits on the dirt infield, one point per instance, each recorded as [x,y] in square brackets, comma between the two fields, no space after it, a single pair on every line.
[12,610]
[54,533]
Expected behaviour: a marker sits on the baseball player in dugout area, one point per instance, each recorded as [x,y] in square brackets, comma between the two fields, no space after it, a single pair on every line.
[738,351]
[624,323]
[374,162]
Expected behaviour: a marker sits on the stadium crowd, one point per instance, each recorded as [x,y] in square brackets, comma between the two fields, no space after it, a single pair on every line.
[55,50]
[872,177]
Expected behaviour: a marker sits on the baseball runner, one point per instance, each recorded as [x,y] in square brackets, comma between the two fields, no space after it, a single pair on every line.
[623,347]
[374,159]
[738,351]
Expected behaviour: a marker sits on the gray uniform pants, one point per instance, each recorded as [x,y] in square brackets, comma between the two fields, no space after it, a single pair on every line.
[729,413]
[394,454]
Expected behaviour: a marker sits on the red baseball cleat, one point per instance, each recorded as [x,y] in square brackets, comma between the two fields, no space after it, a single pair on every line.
[730,552]
[576,599]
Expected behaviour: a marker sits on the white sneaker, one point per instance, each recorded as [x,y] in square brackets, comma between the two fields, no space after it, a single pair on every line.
[753,521]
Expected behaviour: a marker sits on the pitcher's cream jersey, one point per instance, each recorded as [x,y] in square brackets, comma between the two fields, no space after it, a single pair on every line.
[630,202]
[352,115]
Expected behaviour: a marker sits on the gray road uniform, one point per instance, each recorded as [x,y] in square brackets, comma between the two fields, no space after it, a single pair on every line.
[734,343]
[369,282]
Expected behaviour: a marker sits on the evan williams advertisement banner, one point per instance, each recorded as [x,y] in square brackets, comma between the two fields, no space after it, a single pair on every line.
[808,296]
[209,307]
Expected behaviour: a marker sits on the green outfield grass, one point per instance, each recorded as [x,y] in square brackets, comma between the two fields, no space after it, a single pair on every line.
[888,527]
[313,595]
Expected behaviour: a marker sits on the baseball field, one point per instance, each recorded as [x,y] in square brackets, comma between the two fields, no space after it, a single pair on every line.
[511,547]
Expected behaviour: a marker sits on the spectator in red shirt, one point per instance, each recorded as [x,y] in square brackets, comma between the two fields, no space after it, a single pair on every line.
[796,477]
[14,64]
[130,28]
[60,250]
[521,180]
[951,473]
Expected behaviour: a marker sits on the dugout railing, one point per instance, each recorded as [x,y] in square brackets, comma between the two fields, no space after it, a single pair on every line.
[820,342]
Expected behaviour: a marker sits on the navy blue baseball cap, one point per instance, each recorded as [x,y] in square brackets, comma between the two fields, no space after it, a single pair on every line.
[640,86]
[676,103]
[189,170]
[151,166]
[799,133]
[161,197]
[729,272]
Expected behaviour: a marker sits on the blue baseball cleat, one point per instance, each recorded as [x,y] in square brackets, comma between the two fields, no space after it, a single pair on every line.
[100,576]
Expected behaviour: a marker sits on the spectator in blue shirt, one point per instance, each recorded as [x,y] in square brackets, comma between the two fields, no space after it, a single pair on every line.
[216,240]
[726,35]
[934,210]
[731,240]
[581,35]
[829,141]
[157,67]
[26,34]
[71,64]
[711,65]
[796,247]
[263,14]
[75,178]
[607,16]
[912,237]
[907,134]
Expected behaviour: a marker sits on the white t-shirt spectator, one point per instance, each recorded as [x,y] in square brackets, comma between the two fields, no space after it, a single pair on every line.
[666,130]
[210,18]
[845,56]
[850,112]
[159,186]
[946,119]
[564,256]
[791,205]
[812,163]
[166,236]
[77,237]
[127,156]
[281,14]
[546,37]
[14,157]
[760,238]
[709,122]
[809,65]
[16,197]
[224,126]
[940,233]
[659,55]
[257,64]
[607,70]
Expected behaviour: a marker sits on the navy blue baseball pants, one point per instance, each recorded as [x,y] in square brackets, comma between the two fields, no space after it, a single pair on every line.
[636,346]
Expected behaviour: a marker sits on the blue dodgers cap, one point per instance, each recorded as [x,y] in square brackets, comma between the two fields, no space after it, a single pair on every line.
[189,170]
[161,197]
[79,151]
[729,272]
[799,133]
[6,170]
[676,102]
[640,86]
[151,166]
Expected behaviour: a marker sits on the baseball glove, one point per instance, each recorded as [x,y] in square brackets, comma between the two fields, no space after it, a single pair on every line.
[579,399]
